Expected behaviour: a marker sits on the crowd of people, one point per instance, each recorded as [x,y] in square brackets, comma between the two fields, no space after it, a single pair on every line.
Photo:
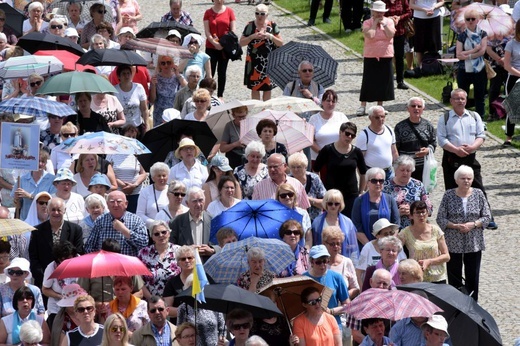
[359,194]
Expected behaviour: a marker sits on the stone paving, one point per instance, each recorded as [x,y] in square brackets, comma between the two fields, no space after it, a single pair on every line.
[500,167]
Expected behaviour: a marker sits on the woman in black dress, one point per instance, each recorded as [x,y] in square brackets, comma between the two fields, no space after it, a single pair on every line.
[88,120]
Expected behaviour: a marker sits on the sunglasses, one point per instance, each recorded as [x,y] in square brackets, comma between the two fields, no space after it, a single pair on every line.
[102,11]
[154,310]
[160,233]
[314,301]
[241,326]
[167,62]
[85,308]
[2,19]
[307,70]
[185,259]
[332,244]
[320,262]
[261,13]
[470,19]
[37,83]
[14,272]
[292,232]
[116,329]
[287,194]
[57,27]
[336,204]
[43,202]
[377,181]
[199,101]
[350,134]
[194,42]
[68,135]
[178,194]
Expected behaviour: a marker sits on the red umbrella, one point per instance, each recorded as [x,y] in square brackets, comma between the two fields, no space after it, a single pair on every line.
[99,264]
[390,304]
[67,58]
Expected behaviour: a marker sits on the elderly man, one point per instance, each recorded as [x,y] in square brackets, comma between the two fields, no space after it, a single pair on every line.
[266,188]
[159,331]
[377,141]
[194,226]
[125,227]
[176,14]
[304,86]
[460,133]
[193,75]
[50,233]
[415,136]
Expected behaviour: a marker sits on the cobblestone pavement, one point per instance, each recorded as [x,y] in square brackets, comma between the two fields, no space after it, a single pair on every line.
[498,286]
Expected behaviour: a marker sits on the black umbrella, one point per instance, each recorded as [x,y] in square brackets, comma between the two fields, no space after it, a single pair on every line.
[36,41]
[153,27]
[224,298]
[111,57]
[468,322]
[13,18]
[165,137]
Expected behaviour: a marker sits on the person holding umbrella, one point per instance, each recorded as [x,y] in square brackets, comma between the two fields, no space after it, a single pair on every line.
[305,86]
[256,276]
[88,120]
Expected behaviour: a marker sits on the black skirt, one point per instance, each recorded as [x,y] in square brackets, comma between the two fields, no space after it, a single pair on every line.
[378,80]
[427,35]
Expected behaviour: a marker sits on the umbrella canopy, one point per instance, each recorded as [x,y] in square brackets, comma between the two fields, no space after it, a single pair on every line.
[98,264]
[24,66]
[111,57]
[282,66]
[104,143]
[165,138]
[495,22]
[224,298]
[36,107]
[14,227]
[294,132]
[68,59]
[76,82]
[257,218]
[390,304]
[36,41]
[154,27]
[228,264]
[219,116]
[288,103]
[13,18]
[159,46]
[468,322]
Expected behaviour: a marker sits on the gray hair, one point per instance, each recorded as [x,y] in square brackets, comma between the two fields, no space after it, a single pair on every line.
[193,190]
[59,20]
[159,167]
[391,240]
[415,98]
[176,185]
[35,4]
[255,147]
[381,272]
[255,340]
[305,62]
[157,223]
[255,253]
[94,199]
[404,160]
[372,109]
[372,172]
[3,38]
[297,158]
[193,69]
[459,90]
[282,158]
[75,3]
[463,169]
[184,250]
[31,332]
[96,37]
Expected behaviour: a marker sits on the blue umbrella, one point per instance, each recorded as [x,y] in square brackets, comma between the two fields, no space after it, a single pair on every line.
[257,218]
[227,265]
[36,107]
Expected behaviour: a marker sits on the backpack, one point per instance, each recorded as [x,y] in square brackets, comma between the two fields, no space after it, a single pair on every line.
[231,46]
[447,116]
[388,127]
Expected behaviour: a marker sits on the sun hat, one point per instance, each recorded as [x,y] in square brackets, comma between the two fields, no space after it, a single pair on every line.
[438,322]
[379,6]
[175,33]
[100,179]
[71,32]
[188,38]
[125,30]
[69,295]
[380,224]
[64,174]
[22,263]
[318,251]
[186,142]
[221,162]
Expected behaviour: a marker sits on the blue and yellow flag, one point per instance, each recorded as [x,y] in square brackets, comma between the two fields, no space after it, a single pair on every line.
[199,280]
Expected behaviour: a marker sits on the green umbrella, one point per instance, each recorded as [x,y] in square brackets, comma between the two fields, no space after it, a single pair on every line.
[76,82]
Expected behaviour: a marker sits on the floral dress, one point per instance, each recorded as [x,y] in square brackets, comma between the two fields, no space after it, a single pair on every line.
[248,182]
[162,270]
[166,89]
[210,324]
[244,279]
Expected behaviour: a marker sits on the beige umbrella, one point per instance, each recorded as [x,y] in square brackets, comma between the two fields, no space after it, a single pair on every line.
[14,227]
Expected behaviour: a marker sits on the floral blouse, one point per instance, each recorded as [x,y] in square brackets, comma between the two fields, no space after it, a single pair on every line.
[138,318]
[244,279]
[210,324]
[162,270]
[247,182]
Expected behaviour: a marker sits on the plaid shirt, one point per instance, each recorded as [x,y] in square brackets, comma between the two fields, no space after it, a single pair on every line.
[398,8]
[185,18]
[103,229]
[163,338]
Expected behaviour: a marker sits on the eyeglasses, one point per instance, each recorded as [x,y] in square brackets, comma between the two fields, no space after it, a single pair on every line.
[167,62]
[320,262]
[377,181]
[275,166]
[305,70]
[101,11]
[470,19]
[261,13]
[194,42]
[314,301]
[178,194]
[160,233]
[286,194]
[188,336]
[182,259]
[336,204]
[292,232]
[82,309]
[68,135]
[14,272]
[2,19]
[57,27]
[154,310]
[415,106]
[349,134]
[43,202]
[332,244]
[200,101]
[37,83]
[116,329]
[241,326]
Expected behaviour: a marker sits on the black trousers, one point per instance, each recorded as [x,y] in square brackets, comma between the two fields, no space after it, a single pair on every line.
[351,13]
[399,57]
[219,65]
[471,262]
[451,162]
[315,5]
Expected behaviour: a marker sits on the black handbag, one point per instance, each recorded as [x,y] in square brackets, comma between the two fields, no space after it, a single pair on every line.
[446,92]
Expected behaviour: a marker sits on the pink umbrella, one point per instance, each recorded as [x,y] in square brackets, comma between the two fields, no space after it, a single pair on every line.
[294,132]
[495,22]
[159,46]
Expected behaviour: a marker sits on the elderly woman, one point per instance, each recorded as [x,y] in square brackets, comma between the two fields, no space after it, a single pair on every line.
[176,194]
[74,203]
[186,334]
[57,25]
[315,326]
[115,331]
[426,244]
[261,36]
[256,276]
[427,24]
[333,204]
[378,53]
[239,323]
[314,188]
[97,13]
[23,302]
[338,163]
[133,99]
[372,206]
[155,196]
[218,168]
[109,107]
[371,253]
[38,211]
[189,171]
[88,120]
[410,271]
[253,171]
[86,168]
[88,329]
[291,233]
[463,215]
[286,194]
[227,187]
[231,144]
[266,129]
[95,206]
[35,22]
[405,189]
[160,259]
[74,16]
[31,333]
[201,98]
[390,247]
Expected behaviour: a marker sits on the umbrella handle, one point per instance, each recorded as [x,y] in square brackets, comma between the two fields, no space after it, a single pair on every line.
[285,313]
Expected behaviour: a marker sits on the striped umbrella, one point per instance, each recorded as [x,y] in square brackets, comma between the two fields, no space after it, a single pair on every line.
[294,132]
[36,107]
